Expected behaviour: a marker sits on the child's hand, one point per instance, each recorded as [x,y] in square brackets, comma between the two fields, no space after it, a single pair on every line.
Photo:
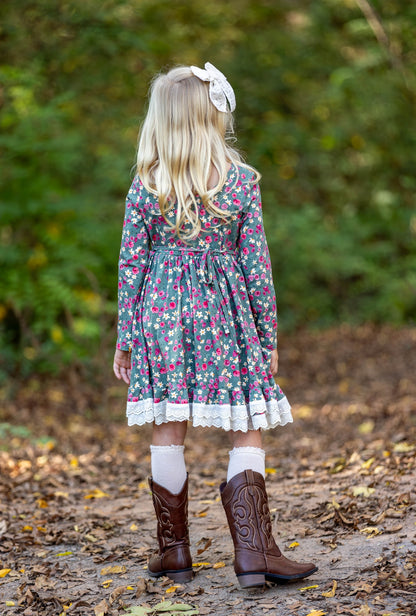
[274,362]
[122,365]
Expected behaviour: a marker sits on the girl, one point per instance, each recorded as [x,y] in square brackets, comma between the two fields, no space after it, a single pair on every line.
[197,318]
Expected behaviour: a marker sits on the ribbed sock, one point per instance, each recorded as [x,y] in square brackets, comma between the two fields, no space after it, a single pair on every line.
[168,466]
[246,458]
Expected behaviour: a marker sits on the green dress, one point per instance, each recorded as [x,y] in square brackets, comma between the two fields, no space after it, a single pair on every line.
[200,318]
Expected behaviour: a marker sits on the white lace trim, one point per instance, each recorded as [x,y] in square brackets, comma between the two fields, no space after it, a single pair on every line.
[259,414]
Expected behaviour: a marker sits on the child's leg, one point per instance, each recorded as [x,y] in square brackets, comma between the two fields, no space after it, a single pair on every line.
[257,557]
[167,455]
[169,485]
[247,453]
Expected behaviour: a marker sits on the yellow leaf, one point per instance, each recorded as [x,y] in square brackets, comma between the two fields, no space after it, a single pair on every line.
[74,462]
[331,593]
[129,588]
[366,427]
[64,554]
[61,494]
[41,529]
[309,587]
[367,463]
[201,564]
[218,565]
[10,603]
[403,448]
[293,545]
[362,491]
[271,471]
[143,485]
[97,493]
[113,569]
[172,588]
[27,528]
[106,583]
[134,527]
[304,412]
[371,531]
[4,572]
[201,514]
[317,613]
[211,484]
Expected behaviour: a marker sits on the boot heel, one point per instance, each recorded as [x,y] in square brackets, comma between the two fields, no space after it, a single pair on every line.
[251,579]
[181,576]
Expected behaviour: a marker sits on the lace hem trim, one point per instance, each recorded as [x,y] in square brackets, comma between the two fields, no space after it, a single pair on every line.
[259,414]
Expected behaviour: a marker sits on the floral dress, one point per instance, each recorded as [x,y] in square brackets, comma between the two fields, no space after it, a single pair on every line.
[200,318]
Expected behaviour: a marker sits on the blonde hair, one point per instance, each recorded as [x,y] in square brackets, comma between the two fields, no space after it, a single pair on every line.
[182,137]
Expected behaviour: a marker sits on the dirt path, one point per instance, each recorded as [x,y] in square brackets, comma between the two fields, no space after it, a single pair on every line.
[76,520]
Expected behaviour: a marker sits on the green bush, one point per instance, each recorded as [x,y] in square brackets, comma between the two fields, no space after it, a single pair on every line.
[324,110]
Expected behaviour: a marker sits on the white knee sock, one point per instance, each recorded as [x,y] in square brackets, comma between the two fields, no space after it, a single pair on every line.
[245,458]
[168,466]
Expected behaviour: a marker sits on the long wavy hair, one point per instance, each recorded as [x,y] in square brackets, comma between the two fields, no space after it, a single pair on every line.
[182,137]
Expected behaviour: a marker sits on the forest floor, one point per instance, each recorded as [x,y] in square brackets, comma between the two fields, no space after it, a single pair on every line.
[76,520]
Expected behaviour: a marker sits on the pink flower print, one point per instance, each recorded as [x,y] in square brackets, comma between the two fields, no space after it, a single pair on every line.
[155,309]
[172,305]
[208,239]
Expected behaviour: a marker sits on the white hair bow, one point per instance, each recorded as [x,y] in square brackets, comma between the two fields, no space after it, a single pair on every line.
[219,89]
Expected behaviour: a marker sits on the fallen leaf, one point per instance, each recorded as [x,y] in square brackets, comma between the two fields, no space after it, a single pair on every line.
[331,593]
[366,465]
[4,572]
[317,613]
[140,587]
[113,569]
[63,553]
[403,448]
[271,471]
[102,608]
[106,583]
[117,592]
[96,493]
[138,610]
[173,588]
[10,603]
[134,527]
[362,491]
[371,531]
[218,565]
[293,545]
[207,544]
[309,587]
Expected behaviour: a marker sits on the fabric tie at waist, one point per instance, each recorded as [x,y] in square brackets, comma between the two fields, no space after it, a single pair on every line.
[206,275]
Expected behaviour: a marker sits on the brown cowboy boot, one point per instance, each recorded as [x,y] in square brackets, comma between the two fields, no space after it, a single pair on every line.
[257,557]
[174,557]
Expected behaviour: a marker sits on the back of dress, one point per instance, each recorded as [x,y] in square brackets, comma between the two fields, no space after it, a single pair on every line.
[200,318]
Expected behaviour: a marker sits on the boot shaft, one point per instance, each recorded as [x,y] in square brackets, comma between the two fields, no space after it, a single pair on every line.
[245,502]
[171,514]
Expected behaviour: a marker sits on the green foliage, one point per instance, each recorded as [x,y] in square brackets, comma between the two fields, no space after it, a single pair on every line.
[324,110]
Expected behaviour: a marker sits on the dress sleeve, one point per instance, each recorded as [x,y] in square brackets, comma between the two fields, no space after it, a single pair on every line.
[254,259]
[132,264]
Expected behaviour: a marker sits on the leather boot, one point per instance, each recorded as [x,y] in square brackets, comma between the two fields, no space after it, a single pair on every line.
[257,557]
[174,557]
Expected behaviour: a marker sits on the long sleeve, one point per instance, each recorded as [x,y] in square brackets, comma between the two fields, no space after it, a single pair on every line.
[132,264]
[254,259]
